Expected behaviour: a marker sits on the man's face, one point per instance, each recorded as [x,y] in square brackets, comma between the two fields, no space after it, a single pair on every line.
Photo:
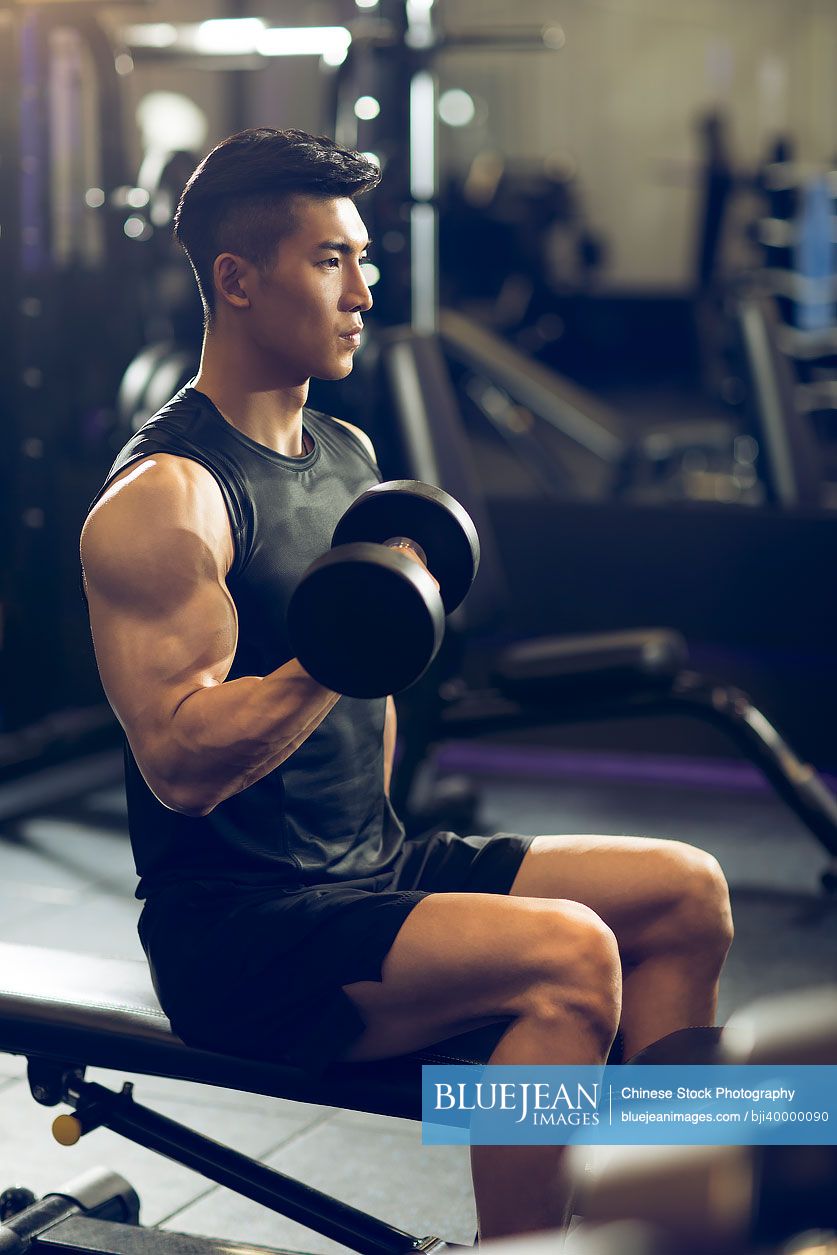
[306,310]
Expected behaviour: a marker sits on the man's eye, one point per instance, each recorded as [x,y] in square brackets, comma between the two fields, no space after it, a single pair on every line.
[331,262]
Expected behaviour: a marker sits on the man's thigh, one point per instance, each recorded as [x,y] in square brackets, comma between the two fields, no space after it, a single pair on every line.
[633,883]
[464,960]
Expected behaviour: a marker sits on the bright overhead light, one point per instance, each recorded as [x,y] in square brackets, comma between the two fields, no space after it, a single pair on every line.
[456,107]
[419,33]
[367,108]
[169,121]
[243,36]
[229,34]
[152,35]
[329,42]
[136,228]
[335,56]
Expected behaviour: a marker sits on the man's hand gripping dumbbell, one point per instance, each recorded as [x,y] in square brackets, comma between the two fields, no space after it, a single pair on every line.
[368,617]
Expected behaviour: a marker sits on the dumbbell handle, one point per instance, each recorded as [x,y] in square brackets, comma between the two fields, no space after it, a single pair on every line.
[404,542]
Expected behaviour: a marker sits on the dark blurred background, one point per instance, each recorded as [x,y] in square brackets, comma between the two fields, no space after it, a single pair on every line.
[635,199]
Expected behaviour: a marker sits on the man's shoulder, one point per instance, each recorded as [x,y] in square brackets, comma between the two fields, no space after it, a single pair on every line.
[157,486]
[167,425]
[178,414]
[163,465]
[359,435]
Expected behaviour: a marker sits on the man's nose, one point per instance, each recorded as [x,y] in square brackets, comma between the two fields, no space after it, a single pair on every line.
[359,297]
[363,296]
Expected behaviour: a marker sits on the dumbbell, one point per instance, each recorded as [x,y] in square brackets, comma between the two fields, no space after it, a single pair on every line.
[367,620]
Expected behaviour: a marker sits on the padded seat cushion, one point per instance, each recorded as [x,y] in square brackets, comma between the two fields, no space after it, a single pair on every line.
[589,666]
[95,1012]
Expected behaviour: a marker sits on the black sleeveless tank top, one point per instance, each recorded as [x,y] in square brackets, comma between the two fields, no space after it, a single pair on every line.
[322,816]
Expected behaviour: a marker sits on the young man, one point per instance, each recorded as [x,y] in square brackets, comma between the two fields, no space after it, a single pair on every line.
[285,916]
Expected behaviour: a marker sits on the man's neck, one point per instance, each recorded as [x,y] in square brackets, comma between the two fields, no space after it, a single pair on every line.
[248,393]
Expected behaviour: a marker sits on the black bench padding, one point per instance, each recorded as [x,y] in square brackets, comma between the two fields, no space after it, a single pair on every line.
[96,1012]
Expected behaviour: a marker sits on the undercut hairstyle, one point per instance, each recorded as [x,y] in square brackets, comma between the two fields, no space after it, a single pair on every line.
[241,197]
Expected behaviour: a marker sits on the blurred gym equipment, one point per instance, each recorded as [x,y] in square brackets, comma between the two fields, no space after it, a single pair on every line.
[554,680]
[67,331]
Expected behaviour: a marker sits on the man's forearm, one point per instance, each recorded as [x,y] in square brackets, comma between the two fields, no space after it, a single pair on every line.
[224,737]
[390,729]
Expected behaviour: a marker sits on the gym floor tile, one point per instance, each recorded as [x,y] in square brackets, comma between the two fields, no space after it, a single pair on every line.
[97,923]
[102,856]
[419,1189]
[410,1128]
[25,865]
[783,941]
[423,1189]
[107,800]
[14,912]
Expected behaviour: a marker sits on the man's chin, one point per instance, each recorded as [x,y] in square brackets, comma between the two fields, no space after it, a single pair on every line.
[334,371]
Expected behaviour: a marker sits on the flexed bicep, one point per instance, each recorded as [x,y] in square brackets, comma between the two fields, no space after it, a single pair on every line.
[155,552]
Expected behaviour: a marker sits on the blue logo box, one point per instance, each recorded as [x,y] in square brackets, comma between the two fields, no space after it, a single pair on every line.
[652,1105]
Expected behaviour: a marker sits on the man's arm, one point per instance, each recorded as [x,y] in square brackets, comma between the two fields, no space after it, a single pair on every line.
[156,551]
[390,730]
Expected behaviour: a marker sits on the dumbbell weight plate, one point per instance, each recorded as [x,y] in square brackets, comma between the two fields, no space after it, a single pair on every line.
[365,621]
[426,514]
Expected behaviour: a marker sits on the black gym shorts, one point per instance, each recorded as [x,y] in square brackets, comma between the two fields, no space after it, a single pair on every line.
[257,972]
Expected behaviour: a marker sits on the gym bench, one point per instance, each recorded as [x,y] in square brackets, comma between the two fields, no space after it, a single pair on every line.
[67,1012]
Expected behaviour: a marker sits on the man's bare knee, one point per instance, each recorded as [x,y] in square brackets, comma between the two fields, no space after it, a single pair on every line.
[579,970]
[700,919]
[709,914]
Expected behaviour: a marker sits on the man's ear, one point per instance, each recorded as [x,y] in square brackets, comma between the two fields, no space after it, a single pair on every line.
[231,275]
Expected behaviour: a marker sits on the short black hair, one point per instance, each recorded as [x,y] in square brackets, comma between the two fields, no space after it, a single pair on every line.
[239,200]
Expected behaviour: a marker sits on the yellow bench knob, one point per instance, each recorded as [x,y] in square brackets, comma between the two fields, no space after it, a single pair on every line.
[66,1130]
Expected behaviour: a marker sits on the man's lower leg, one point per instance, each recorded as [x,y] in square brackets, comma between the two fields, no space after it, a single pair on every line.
[524,1189]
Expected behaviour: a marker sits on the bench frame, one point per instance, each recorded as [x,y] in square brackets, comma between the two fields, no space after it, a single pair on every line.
[52,1082]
